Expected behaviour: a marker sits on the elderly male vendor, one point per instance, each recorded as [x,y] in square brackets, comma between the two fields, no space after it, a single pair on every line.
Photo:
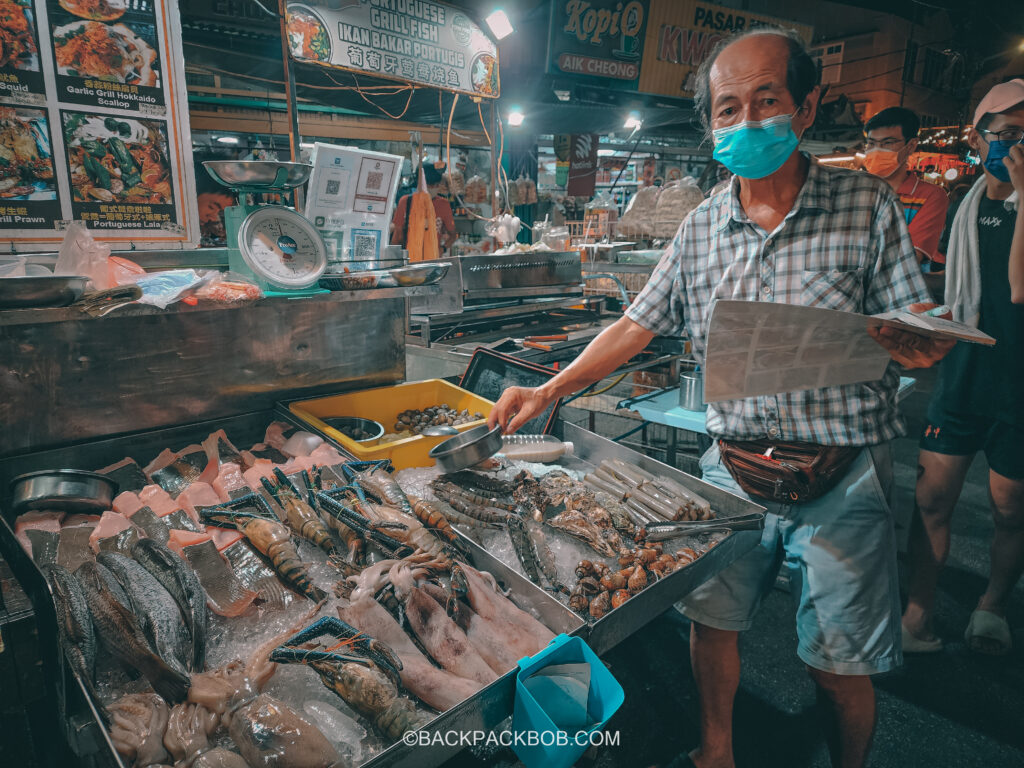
[787,230]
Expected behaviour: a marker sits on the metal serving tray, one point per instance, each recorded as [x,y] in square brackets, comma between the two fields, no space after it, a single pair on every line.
[619,623]
[68,701]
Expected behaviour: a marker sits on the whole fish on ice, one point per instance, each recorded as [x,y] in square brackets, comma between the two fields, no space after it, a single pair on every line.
[183,585]
[159,617]
[118,630]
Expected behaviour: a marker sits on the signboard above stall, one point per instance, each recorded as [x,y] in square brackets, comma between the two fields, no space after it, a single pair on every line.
[598,39]
[681,34]
[94,125]
[650,46]
[419,42]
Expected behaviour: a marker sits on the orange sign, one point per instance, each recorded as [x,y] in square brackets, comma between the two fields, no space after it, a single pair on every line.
[681,34]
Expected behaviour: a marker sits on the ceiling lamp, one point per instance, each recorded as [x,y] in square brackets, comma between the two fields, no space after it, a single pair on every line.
[516,117]
[633,121]
[499,24]
[228,139]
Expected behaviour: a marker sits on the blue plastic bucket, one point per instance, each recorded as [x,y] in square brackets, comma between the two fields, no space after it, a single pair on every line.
[558,747]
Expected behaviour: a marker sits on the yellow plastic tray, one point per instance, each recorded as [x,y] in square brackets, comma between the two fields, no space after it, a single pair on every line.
[384,404]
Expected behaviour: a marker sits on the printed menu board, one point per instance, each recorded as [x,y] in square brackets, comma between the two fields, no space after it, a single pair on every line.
[94,124]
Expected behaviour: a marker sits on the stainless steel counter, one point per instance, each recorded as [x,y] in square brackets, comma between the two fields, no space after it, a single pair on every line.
[66,376]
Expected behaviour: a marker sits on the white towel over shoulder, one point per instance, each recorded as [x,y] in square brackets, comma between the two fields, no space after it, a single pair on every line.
[963,260]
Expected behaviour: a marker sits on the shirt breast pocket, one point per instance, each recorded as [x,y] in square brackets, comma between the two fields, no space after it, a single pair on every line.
[838,288]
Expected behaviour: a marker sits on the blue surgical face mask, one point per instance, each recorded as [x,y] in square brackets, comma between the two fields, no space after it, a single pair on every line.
[997,150]
[755,149]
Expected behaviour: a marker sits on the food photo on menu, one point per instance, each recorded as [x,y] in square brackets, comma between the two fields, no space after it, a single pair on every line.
[96,10]
[26,157]
[101,42]
[18,49]
[112,52]
[117,160]
[307,34]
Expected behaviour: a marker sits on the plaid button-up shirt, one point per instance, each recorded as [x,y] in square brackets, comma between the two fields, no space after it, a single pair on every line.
[844,245]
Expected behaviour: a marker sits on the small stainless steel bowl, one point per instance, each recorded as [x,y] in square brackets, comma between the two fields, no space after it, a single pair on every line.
[41,291]
[66,490]
[421,274]
[259,175]
[345,423]
[471,447]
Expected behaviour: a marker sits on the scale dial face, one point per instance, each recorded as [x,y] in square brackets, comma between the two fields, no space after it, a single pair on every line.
[282,247]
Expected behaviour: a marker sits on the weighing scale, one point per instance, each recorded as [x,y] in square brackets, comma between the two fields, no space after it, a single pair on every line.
[276,246]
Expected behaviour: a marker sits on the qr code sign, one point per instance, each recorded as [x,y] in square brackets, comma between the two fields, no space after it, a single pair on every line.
[374,179]
[365,248]
[333,186]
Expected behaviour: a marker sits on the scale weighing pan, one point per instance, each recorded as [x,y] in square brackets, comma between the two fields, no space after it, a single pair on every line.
[275,244]
[258,175]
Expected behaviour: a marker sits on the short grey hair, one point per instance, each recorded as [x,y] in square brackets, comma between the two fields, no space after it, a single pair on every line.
[801,69]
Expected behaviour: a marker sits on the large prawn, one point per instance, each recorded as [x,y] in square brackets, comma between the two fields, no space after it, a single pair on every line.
[299,515]
[272,539]
[359,669]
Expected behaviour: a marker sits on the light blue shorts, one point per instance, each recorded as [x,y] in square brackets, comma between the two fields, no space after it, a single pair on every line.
[840,554]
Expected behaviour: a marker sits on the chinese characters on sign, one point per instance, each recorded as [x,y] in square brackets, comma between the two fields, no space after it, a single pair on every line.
[419,41]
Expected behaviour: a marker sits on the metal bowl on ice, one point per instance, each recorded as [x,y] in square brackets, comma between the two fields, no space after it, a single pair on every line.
[29,291]
[465,450]
[258,175]
[66,490]
[421,274]
[356,425]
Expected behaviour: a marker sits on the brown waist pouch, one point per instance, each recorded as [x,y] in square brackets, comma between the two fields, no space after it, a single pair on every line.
[788,473]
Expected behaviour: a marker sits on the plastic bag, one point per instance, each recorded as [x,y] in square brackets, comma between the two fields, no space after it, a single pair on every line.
[599,213]
[527,190]
[513,194]
[640,213]
[228,288]
[476,190]
[504,227]
[80,254]
[456,182]
[161,289]
[123,271]
[540,228]
[557,239]
[12,266]
[675,202]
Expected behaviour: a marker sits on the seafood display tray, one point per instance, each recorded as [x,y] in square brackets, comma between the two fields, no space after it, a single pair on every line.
[619,623]
[69,704]
[631,616]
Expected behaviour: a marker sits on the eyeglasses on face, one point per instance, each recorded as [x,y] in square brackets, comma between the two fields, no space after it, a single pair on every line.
[1014,135]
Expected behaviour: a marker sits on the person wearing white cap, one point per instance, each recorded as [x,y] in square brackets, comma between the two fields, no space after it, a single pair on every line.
[977,403]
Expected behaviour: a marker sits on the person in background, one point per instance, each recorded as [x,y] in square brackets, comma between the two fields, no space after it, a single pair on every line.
[977,403]
[791,231]
[890,138]
[446,234]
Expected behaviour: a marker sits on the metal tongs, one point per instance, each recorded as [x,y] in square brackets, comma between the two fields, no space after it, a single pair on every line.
[661,531]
